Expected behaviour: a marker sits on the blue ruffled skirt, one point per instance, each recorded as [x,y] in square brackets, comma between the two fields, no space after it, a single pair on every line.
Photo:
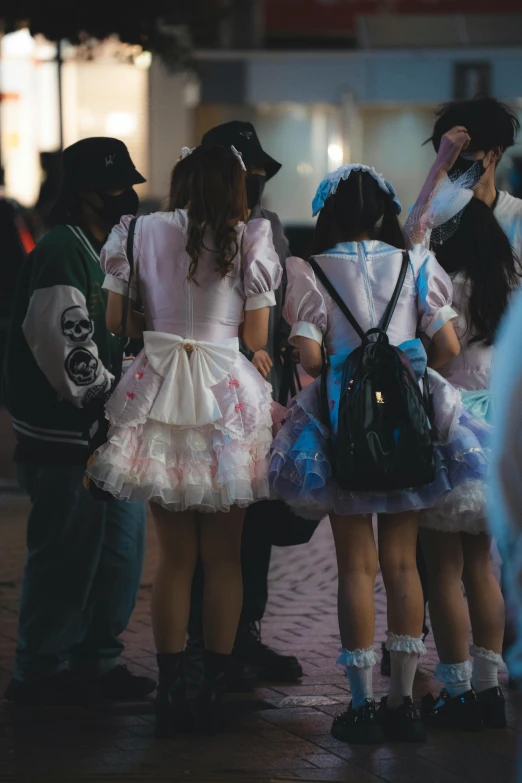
[463,509]
[300,471]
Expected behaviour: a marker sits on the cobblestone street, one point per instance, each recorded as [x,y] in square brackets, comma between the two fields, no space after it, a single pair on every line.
[279,732]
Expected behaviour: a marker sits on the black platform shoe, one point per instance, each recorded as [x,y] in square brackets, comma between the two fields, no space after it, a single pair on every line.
[493,707]
[170,707]
[210,711]
[359,726]
[402,724]
[458,712]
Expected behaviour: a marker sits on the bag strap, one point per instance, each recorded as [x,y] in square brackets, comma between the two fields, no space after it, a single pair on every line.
[126,299]
[388,315]
[337,299]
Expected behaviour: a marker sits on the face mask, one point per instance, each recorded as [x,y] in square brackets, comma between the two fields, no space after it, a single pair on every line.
[462,165]
[255,185]
[114,207]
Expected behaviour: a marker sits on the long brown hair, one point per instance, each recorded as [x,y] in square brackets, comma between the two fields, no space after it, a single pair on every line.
[210,183]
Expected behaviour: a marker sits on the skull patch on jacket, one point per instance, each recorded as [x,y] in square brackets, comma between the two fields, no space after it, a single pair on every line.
[76,325]
[81,366]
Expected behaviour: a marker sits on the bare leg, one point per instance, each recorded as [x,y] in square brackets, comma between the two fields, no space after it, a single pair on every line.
[448,608]
[178,551]
[398,559]
[485,601]
[220,547]
[357,565]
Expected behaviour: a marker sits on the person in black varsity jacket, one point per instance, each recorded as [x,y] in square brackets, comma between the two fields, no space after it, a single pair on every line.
[84,558]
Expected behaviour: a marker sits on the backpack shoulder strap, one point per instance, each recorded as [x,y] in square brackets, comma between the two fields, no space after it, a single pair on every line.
[337,299]
[126,299]
[130,259]
[388,315]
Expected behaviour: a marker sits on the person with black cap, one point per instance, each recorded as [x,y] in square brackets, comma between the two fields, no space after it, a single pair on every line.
[84,558]
[253,660]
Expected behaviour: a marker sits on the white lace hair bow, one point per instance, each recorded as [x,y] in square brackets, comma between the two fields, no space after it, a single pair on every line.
[331,182]
[186,151]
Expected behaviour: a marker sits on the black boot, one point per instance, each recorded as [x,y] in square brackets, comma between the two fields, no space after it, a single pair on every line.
[493,707]
[267,664]
[241,678]
[171,706]
[210,713]
[462,712]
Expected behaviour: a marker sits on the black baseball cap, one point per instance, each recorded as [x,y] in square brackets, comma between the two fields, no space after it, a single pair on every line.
[99,162]
[243,136]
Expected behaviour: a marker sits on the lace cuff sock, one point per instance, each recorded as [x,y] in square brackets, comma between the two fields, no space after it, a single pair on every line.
[456,677]
[486,664]
[361,659]
[404,656]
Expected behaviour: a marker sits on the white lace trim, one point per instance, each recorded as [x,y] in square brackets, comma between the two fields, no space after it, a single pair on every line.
[481,652]
[361,659]
[453,673]
[463,510]
[407,644]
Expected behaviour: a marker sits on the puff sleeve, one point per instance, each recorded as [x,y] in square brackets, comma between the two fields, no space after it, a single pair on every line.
[262,270]
[434,292]
[114,261]
[305,307]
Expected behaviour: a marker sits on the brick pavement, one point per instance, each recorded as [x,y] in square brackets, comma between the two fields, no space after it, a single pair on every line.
[279,732]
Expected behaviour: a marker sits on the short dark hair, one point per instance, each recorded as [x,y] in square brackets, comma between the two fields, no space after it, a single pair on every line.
[490,123]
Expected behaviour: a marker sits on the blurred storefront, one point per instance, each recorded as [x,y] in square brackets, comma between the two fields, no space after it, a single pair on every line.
[107,89]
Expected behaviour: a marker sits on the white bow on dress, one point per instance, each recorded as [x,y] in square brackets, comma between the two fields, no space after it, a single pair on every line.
[190,368]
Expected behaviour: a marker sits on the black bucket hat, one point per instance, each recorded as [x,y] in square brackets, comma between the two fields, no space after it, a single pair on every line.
[99,162]
[243,136]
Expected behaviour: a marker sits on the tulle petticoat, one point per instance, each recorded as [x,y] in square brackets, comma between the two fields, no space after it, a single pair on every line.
[208,468]
[463,510]
[300,470]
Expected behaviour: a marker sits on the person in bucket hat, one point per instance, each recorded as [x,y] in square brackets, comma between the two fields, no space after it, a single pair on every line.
[253,660]
[84,558]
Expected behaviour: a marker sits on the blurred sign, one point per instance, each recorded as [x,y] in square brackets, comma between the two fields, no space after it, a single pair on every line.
[305,17]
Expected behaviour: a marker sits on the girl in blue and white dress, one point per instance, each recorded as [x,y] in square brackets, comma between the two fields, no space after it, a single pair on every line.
[359,245]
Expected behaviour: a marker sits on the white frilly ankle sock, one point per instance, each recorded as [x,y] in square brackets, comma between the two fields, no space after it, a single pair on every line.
[486,664]
[404,657]
[456,677]
[359,671]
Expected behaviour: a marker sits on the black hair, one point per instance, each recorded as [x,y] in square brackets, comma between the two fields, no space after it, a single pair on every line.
[489,123]
[355,209]
[481,251]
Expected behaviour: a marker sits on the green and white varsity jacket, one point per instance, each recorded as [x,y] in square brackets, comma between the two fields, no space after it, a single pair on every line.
[60,355]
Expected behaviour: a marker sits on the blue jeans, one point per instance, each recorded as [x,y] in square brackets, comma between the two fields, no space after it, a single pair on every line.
[81,577]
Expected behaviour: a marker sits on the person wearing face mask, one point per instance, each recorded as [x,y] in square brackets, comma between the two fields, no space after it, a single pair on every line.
[84,557]
[253,660]
[470,138]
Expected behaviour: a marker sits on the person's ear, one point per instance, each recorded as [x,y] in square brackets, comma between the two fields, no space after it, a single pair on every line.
[493,156]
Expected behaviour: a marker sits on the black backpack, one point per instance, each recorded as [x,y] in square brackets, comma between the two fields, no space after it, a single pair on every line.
[383,440]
